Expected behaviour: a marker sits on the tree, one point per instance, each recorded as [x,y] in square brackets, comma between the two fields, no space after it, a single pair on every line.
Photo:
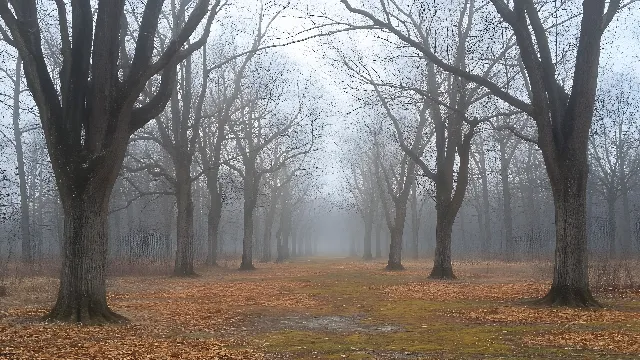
[255,129]
[615,159]
[88,120]
[563,120]
[27,246]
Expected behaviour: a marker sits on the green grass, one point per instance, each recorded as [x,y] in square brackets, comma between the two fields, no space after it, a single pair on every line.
[426,330]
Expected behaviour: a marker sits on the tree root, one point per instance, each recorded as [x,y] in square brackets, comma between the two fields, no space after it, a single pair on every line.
[246,267]
[85,314]
[569,296]
[185,273]
[394,267]
[442,273]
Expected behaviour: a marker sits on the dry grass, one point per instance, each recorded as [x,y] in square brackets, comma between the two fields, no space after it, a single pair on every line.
[229,314]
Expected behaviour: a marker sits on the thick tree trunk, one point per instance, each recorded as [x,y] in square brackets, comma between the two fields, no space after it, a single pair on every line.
[184,223]
[442,268]
[213,226]
[368,227]
[570,285]
[82,293]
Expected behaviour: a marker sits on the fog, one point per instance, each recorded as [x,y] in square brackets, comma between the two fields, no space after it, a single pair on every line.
[299,130]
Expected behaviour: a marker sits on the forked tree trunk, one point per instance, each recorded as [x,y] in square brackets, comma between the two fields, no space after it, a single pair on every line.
[570,285]
[213,226]
[82,291]
[442,267]
[184,223]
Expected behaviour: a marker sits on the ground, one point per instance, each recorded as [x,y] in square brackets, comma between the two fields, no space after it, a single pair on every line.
[327,308]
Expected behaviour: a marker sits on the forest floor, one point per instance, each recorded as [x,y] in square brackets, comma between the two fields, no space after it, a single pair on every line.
[327,308]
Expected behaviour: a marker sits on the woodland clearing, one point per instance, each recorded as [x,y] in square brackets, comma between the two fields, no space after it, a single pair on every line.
[327,308]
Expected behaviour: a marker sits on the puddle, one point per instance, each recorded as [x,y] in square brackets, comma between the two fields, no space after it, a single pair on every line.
[332,323]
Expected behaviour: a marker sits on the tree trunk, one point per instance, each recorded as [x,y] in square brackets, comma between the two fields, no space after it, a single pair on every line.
[82,291]
[168,226]
[294,242]
[379,239]
[396,232]
[213,226]
[506,203]
[626,218]
[415,221]
[570,285]
[368,226]
[268,228]
[486,218]
[251,183]
[184,223]
[442,268]
[611,222]
[27,248]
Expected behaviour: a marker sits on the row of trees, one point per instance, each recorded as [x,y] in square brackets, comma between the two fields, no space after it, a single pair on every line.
[153,109]
[509,73]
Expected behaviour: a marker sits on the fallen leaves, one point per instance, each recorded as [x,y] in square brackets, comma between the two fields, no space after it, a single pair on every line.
[545,315]
[619,341]
[448,291]
[56,341]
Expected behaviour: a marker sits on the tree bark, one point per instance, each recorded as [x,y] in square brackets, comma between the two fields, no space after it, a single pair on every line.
[396,232]
[570,285]
[82,291]
[184,224]
[213,226]
[251,183]
[442,268]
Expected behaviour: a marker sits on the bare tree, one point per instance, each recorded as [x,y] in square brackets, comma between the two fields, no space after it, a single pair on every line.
[88,120]
[563,118]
